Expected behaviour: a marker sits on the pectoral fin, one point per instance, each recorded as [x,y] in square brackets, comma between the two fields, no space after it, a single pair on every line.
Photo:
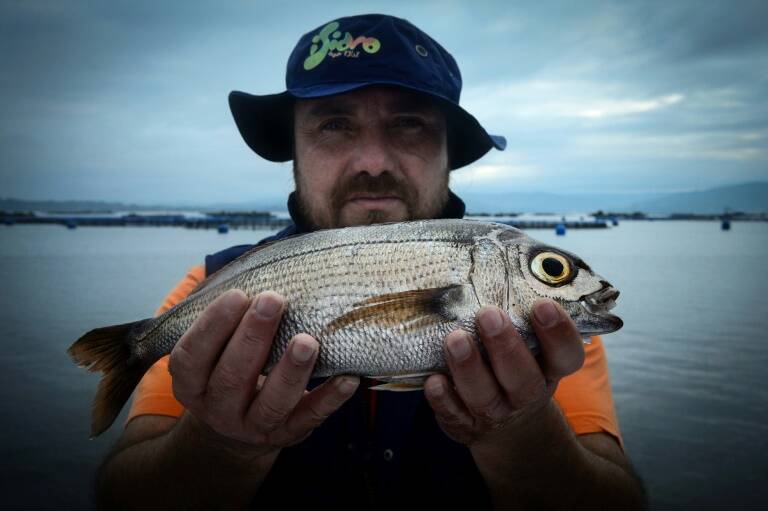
[402,308]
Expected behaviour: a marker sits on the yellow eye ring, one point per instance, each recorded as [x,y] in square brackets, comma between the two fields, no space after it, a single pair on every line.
[551,268]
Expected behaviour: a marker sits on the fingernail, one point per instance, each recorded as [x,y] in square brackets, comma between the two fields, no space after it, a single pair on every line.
[546,314]
[458,347]
[436,389]
[267,306]
[348,385]
[491,322]
[302,351]
[233,299]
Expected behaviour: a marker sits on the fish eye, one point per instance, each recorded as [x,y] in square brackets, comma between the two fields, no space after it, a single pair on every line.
[551,268]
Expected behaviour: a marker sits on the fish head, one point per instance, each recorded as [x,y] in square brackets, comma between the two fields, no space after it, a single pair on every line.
[539,271]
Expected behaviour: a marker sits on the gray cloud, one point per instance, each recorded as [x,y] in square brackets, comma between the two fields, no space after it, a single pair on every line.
[127,100]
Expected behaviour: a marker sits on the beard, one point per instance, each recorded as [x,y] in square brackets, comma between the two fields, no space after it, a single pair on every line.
[417,205]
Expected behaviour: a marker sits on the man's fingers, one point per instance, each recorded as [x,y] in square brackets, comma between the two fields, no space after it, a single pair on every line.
[561,345]
[318,405]
[284,385]
[194,356]
[233,382]
[474,380]
[448,407]
[514,366]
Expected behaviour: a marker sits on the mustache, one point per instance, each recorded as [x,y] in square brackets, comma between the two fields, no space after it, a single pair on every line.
[383,184]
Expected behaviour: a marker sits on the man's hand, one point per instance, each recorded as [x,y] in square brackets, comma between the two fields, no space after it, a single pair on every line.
[498,405]
[519,439]
[235,424]
[216,367]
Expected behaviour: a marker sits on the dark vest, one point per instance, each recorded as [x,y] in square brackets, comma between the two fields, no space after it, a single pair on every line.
[380,450]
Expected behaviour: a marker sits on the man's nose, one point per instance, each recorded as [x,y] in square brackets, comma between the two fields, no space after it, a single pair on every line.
[374,153]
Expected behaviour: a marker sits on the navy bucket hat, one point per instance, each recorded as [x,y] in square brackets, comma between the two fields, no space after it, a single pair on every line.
[352,53]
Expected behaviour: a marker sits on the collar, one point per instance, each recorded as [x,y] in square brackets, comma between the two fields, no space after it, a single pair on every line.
[455,208]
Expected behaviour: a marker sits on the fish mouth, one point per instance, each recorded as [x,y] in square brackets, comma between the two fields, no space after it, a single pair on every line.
[602,301]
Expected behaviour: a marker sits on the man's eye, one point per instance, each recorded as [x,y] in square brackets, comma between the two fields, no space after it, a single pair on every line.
[334,125]
[409,122]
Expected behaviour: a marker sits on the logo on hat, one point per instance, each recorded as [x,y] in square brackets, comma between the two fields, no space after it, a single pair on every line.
[332,44]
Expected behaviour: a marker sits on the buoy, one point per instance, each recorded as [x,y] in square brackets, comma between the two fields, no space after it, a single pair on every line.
[71,224]
[725,225]
[560,229]
[223,228]
[614,221]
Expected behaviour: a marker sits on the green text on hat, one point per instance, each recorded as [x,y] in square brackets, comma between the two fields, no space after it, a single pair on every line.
[334,45]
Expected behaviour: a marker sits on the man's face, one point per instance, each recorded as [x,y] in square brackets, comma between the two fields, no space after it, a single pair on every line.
[371,155]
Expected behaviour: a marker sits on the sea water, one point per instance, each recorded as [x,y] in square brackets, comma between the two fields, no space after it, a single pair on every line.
[688,368]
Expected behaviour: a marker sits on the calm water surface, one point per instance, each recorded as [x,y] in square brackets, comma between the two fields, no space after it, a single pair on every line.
[688,368]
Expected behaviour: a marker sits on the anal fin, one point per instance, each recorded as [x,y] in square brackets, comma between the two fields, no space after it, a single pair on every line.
[401,382]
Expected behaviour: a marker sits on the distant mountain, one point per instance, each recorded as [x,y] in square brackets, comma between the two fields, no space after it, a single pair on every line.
[69,206]
[264,204]
[73,206]
[747,197]
[551,203]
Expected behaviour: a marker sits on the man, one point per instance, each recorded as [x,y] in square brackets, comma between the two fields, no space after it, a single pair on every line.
[372,122]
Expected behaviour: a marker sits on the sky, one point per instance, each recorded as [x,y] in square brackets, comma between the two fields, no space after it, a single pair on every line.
[127,100]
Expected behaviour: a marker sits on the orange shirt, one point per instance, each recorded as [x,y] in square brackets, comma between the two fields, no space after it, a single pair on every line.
[584,397]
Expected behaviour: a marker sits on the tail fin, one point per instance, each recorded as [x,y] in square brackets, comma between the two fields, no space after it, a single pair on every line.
[108,350]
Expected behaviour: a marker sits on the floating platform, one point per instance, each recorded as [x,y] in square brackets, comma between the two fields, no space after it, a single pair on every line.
[234,221]
[265,221]
[553,224]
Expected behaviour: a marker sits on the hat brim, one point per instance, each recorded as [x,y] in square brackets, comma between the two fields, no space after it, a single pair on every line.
[266,123]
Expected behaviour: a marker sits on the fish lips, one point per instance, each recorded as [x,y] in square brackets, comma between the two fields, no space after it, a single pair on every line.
[597,305]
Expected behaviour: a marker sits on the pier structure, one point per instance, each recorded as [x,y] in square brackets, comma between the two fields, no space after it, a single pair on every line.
[549,222]
[253,221]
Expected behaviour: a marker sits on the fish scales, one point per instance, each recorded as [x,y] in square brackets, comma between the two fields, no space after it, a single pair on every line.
[317,292]
[364,262]
[379,299]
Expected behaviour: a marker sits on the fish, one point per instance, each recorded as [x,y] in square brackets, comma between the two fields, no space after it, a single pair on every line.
[379,299]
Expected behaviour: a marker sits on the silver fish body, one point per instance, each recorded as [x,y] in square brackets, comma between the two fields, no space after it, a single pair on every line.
[328,277]
[379,299]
